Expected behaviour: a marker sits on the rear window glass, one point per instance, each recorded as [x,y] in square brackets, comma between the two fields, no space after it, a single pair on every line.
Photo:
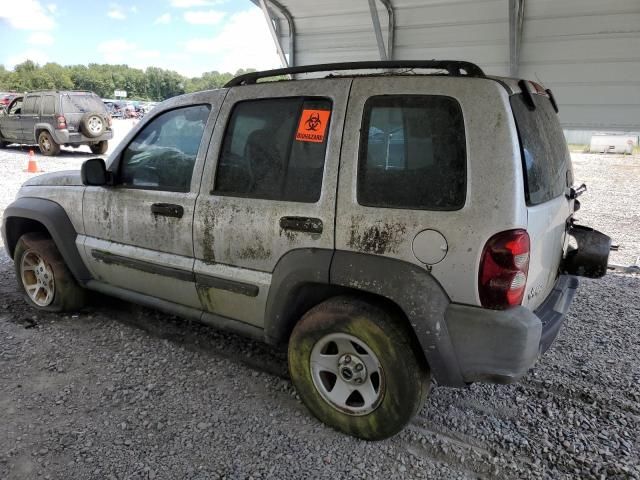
[412,153]
[545,156]
[79,103]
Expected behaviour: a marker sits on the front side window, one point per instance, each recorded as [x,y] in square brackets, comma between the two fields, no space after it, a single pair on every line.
[16,107]
[275,149]
[412,153]
[163,154]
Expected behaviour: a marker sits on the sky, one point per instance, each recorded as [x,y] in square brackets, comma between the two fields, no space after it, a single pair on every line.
[188,36]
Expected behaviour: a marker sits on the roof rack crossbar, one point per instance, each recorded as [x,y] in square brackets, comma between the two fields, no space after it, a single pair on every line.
[453,67]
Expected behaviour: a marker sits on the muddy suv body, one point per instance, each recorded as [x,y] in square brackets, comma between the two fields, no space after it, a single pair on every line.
[390,229]
[54,118]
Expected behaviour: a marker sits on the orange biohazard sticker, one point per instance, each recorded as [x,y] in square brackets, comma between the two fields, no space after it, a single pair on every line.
[313,125]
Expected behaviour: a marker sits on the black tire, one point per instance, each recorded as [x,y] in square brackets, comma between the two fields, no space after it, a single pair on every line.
[47,144]
[66,294]
[92,125]
[100,148]
[404,379]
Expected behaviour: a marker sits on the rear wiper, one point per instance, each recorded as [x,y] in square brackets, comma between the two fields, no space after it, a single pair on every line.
[576,192]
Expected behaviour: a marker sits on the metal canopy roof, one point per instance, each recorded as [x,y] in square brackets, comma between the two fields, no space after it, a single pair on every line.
[586,51]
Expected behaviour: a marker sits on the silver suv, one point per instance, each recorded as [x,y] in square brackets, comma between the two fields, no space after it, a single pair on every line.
[51,118]
[388,228]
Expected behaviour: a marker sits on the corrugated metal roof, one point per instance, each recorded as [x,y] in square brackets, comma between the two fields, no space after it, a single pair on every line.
[586,51]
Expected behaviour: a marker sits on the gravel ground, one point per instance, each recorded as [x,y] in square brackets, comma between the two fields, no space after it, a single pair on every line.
[122,392]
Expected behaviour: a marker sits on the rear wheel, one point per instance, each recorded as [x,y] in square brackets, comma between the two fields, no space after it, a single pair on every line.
[47,144]
[356,367]
[43,276]
[100,147]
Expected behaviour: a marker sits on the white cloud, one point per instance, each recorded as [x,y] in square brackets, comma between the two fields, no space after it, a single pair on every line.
[52,7]
[26,15]
[209,17]
[243,42]
[163,19]
[33,54]
[40,38]
[121,51]
[195,3]
[116,51]
[116,12]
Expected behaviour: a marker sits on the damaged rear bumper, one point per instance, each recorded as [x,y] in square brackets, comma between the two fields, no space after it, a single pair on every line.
[500,346]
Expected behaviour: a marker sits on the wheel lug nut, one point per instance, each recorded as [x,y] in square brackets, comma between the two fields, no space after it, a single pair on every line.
[347,359]
[359,367]
[358,380]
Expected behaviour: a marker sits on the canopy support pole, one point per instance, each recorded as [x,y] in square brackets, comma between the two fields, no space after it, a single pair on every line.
[516,22]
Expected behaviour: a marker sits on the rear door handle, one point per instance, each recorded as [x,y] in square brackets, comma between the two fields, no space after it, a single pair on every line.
[301,224]
[167,210]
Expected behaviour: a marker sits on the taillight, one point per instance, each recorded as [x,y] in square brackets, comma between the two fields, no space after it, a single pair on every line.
[61,122]
[503,269]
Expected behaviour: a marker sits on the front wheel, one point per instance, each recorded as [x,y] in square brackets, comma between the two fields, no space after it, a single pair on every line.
[47,144]
[100,147]
[357,368]
[43,276]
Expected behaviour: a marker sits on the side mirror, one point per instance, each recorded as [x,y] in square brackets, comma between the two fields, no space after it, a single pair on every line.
[94,172]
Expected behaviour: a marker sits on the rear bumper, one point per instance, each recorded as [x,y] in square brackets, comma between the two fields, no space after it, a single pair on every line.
[65,137]
[499,346]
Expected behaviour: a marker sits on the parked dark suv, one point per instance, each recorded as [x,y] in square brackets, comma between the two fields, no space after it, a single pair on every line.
[53,118]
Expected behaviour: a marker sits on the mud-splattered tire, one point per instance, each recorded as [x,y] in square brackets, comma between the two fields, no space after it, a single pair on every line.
[47,144]
[344,345]
[92,125]
[100,148]
[43,276]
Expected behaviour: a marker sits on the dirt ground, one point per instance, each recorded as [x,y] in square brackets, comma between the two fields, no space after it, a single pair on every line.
[117,391]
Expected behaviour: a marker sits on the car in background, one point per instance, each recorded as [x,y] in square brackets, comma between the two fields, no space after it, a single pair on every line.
[7,97]
[52,118]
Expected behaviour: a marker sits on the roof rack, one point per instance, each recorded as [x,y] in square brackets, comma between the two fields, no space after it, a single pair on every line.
[454,68]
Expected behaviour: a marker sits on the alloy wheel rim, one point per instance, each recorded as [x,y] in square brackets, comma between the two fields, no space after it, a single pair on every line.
[44,142]
[37,278]
[347,374]
[95,124]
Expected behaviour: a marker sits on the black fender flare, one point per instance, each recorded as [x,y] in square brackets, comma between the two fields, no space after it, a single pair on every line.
[305,277]
[55,220]
[417,293]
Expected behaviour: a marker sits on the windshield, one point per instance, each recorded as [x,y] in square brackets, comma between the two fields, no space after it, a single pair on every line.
[81,103]
[545,155]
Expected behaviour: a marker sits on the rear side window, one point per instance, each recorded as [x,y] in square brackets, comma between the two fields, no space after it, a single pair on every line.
[412,153]
[81,103]
[545,156]
[274,149]
[29,105]
[48,105]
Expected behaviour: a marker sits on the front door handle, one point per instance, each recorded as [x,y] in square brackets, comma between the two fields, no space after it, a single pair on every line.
[301,224]
[167,210]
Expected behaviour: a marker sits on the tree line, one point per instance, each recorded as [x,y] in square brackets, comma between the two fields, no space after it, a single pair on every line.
[153,83]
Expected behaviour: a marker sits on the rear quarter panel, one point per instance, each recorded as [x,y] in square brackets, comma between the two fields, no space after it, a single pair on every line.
[495,191]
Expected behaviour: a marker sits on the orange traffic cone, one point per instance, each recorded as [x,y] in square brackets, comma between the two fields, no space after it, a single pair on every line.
[32,167]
